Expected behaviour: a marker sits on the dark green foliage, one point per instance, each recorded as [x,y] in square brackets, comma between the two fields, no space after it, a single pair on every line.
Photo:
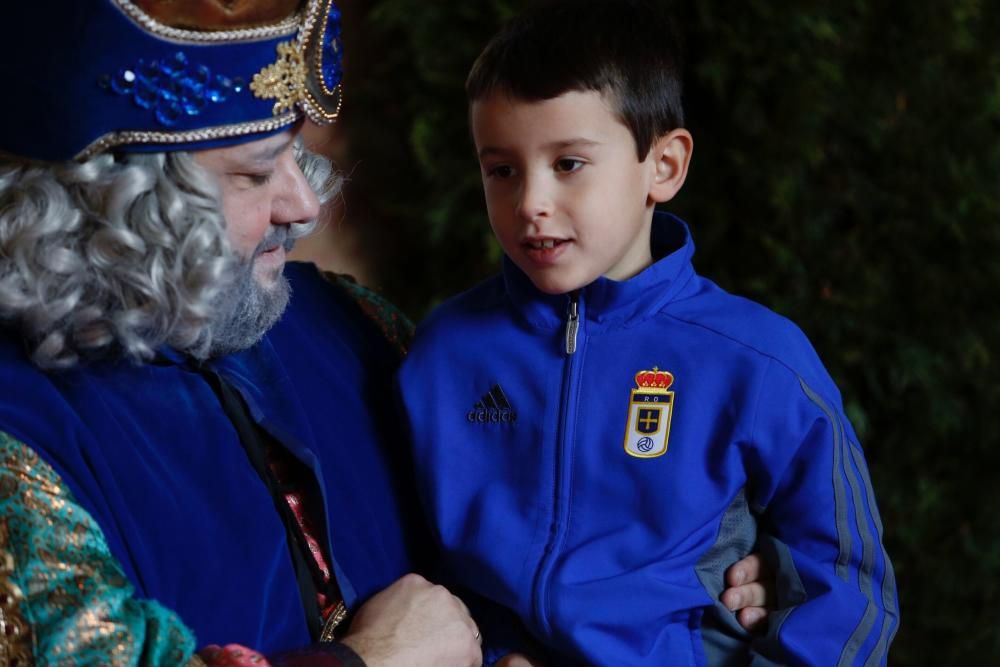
[846,174]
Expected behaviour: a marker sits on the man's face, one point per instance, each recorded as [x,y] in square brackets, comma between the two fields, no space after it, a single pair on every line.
[566,196]
[263,193]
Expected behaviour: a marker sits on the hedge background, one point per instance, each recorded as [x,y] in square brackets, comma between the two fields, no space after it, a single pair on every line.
[846,174]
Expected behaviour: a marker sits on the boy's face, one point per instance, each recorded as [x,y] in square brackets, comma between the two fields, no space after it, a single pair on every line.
[566,196]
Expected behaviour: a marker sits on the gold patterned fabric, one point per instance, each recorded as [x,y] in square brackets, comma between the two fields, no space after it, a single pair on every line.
[64,599]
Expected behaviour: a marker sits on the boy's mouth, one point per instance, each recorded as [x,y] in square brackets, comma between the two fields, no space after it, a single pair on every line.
[543,244]
[545,251]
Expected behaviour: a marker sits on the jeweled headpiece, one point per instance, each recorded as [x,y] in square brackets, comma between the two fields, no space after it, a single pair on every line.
[88,76]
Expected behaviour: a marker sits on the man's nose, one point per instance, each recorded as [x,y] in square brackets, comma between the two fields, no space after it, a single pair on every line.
[296,201]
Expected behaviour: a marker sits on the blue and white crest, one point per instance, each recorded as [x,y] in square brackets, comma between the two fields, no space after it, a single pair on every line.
[650,409]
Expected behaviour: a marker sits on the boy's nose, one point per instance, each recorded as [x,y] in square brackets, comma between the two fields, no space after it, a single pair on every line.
[534,200]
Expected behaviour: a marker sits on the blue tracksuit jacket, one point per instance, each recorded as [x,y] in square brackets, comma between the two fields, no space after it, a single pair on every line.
[594,463]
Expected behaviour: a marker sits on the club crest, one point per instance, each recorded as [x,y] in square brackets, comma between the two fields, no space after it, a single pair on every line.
[650,408]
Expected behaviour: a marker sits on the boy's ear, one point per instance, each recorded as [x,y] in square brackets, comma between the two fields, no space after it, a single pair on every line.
[671,155]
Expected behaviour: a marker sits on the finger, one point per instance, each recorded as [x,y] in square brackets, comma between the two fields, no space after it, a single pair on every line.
[752,618]
[748,595]
[744,571]
[461,605]
[738,597]
[477,635]
[466,614]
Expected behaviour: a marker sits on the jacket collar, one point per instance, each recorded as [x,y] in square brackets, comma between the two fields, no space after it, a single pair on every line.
[606,303]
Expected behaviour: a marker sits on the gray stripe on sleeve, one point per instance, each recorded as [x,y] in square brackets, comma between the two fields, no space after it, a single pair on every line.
[839,495]
[864,628]
[881,650]
[842,466]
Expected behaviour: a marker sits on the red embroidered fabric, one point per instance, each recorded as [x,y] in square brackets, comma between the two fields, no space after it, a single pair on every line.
[231,655]
[289,474]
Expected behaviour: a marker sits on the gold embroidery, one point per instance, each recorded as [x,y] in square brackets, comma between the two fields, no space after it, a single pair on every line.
[15,636]
[316,112]
[8,485]
[57,574]
[284,80]
[336,617]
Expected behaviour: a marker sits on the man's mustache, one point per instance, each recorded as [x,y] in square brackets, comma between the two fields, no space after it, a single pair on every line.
[276,236]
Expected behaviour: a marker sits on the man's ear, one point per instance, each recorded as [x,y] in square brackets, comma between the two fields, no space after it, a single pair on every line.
[670,155]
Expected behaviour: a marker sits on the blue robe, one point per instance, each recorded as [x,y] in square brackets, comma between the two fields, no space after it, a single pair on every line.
[148,452]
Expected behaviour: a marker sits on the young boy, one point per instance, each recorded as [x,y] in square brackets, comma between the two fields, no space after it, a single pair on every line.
[600,431]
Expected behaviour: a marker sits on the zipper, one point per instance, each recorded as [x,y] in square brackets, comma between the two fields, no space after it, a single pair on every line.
[572,321]
[563,463]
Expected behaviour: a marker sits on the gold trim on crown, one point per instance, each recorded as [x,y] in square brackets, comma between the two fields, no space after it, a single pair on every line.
[123,138]
[318,11]
[318,69]
[287,79]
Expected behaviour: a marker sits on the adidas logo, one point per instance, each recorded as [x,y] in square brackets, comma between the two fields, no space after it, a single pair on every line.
[493,407]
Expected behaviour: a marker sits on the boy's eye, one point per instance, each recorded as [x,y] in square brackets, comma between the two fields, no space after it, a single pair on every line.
[500,171]
[568,164]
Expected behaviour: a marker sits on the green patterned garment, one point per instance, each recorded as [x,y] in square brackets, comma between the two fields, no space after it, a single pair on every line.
[395,326]
[63,598]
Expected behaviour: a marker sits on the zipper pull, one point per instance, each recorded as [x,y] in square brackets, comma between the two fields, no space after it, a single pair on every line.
[572,322]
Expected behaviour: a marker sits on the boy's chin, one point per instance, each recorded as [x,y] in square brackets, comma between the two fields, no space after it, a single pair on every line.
[554,285]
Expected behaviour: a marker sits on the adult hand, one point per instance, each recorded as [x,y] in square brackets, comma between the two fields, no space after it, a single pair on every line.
[415,623]
[750,586]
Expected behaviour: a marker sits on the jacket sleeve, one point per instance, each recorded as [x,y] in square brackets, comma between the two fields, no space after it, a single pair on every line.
[63,597]
[836,592]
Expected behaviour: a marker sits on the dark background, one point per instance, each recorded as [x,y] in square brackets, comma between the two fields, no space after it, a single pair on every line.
[846,174]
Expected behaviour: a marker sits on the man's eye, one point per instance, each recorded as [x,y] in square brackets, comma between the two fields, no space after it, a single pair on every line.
[568,164]
[253,180]
[500,171]
[260,179]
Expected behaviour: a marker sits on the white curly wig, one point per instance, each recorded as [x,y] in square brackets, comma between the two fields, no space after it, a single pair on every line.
[118,255]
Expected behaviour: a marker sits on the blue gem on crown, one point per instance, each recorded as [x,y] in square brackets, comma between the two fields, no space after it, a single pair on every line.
[333,54]
[172,88]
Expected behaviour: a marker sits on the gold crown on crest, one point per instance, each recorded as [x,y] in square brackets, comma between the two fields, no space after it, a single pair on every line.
[654,381]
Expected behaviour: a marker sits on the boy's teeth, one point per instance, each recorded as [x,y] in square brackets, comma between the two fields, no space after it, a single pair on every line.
[546,244]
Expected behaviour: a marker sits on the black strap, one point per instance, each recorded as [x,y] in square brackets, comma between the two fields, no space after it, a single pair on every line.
[255,440]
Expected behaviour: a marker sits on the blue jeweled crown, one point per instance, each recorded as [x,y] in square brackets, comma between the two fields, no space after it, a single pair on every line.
[88,76]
